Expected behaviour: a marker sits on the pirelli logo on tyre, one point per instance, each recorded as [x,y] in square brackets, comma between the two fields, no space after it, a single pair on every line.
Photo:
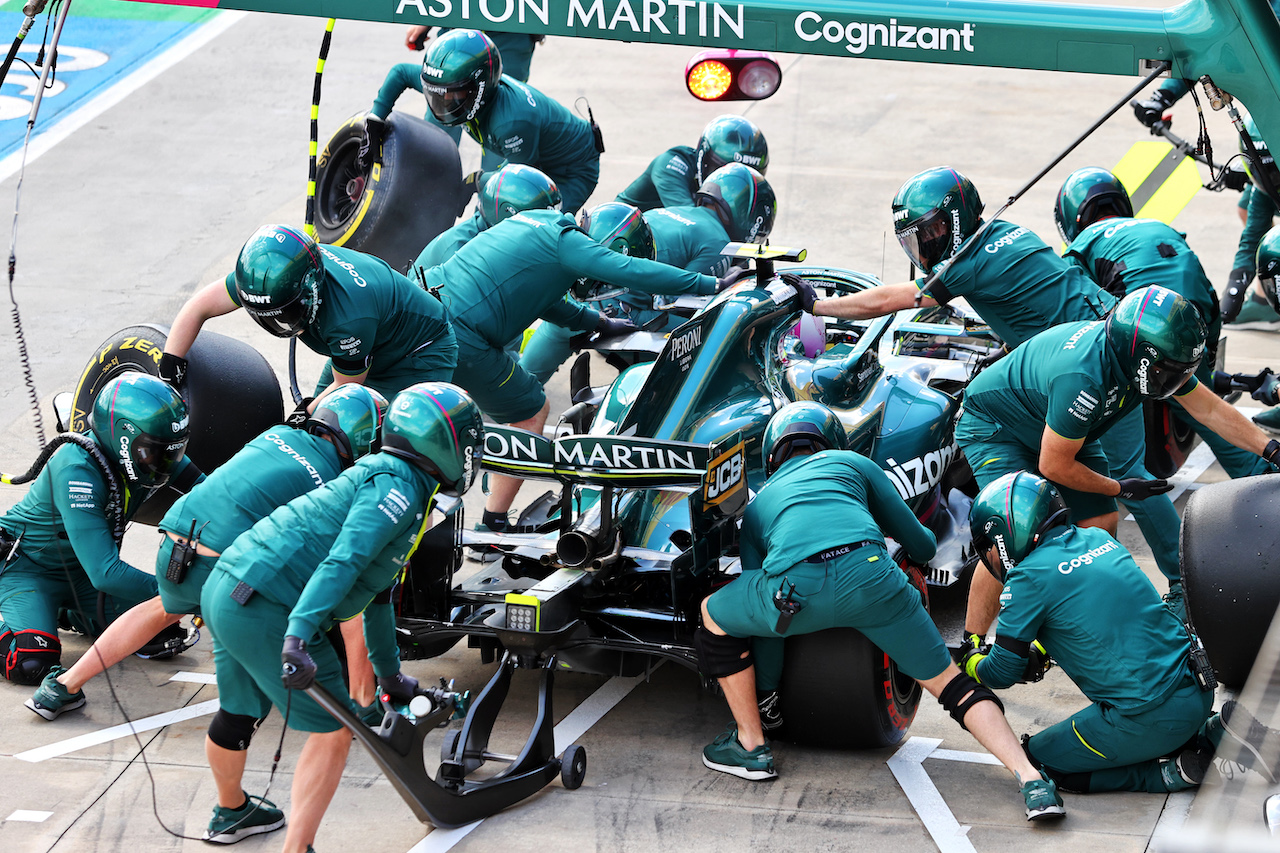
[726,475]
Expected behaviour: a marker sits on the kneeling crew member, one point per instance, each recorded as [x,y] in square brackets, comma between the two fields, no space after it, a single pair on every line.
[816,524]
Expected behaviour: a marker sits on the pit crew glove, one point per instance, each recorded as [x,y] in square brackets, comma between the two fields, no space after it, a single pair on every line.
[969,663]
[612,327]
[1152,109]
[1038,663]
[399,688]
[375,131]
[298,417]
[732,277]
[298,670]
[1138,489]
[1271,453]
[1268,392]
[808,296]
[173,369]
[1233,296]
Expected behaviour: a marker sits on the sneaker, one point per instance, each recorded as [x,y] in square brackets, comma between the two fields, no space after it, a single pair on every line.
[1043,802]
[253,818]
[1256,314]
[1186,771]
[770,706]
[484,553]
[51,700]
[1252,736]
[1269,420]
[727,755]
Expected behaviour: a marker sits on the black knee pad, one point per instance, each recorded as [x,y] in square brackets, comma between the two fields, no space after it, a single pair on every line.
[721,655]
[31,655]
[233,731]
[953,698]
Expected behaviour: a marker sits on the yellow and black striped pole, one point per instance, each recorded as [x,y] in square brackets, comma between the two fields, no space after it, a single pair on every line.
[310,226]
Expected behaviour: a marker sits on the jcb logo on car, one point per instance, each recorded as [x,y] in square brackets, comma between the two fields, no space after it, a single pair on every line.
[724,475]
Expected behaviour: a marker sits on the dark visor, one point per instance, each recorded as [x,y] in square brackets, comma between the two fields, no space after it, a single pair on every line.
[927,239]
[1165,377]
[156,458]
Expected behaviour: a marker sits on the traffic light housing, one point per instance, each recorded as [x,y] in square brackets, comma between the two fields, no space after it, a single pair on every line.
[732,75]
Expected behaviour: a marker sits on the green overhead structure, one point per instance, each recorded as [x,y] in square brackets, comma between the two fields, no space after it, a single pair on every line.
[1235,42]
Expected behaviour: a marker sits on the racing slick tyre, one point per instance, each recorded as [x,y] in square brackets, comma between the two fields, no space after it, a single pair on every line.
[839,690]
[573,767]
[1231,570]
[394,208]
[231,392]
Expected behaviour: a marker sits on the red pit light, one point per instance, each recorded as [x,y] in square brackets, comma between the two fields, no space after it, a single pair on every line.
[732,75]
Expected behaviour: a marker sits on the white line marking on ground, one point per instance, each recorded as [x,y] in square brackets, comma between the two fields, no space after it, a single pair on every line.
[572,727]
[195,677]
[43,140]
[907,766]
[53,750]
[1173,817]
[28,816]
[968,757]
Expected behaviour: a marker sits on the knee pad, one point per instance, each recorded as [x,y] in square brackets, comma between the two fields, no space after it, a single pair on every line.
[719,656]
[233,731]
[31,655]
[953,698]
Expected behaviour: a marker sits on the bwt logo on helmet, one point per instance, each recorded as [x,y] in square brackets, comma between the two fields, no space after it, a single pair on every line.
[180,425]
[749,159]
[1068,566]
[859,35]
[432,71]
[256,298]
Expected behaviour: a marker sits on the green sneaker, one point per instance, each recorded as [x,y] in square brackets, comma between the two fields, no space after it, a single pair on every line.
[51,700]
[1256,314]
[231,825]
[1043,802]
[1269,420]
[727,755]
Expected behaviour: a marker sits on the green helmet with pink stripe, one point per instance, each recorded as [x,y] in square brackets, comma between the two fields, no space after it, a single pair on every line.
[743,199]
[1158,338]
[437,427]
[1013,514]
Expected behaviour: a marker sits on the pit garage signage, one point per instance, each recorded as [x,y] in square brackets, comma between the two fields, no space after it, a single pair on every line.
[966,32]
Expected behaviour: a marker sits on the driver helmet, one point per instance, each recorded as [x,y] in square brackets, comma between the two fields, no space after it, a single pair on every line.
[933,214]
[1158,338]
[1269,265]
[460,75]
[514,188]
[799,425]
[1087,196]
[730,139]
[277,279]
[438,428]
[1014,513]
[142,424]
[1268,163]
[351,417]
[743,200]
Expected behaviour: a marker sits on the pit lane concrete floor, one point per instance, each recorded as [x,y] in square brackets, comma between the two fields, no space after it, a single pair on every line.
[123,219]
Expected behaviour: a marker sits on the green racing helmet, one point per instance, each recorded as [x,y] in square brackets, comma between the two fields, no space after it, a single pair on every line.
[934,213]
[797,426]
[351,417]
[460,75]
[437,427]
[1269,265]
[277,279]
[1014,514]
[743,200]
[730,139]
[1268,163]
[1158,338]
[1087,196]
[514,188]
[620,227]
[141,422]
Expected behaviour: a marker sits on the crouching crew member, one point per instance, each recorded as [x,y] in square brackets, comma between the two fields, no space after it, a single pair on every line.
[1076,594]
[324,557]
[816,524]
[61,542]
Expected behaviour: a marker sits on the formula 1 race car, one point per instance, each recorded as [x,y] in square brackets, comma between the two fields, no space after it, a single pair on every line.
[655,470]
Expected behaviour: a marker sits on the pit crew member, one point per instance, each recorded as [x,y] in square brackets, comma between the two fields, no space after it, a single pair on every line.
[673,177]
